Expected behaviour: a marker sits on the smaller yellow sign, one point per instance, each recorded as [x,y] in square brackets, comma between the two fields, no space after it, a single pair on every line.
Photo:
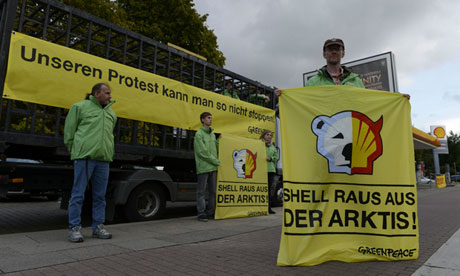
[242,186]
[441,181]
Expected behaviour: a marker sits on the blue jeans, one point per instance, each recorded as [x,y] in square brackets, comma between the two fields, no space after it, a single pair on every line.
[206,179]
[98,174]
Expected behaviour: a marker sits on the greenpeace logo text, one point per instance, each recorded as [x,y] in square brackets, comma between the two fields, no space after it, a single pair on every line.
[388,252]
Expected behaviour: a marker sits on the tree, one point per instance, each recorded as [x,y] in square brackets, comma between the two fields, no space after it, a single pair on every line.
[105,9]
[174,21]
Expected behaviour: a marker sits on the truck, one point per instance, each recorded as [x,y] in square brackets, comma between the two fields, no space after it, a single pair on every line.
[153,163]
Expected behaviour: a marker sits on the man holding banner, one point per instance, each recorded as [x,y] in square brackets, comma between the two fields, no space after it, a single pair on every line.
[333,73]
[205,147]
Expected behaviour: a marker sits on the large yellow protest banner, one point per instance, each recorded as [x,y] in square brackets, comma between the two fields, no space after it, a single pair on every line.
[46,73]
[242,187]
[349,176]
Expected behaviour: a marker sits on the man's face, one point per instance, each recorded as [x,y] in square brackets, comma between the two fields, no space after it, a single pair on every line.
[207,121]
[333,54]
[104,96]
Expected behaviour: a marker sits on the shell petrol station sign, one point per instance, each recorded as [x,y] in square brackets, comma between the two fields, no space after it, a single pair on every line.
[440,133]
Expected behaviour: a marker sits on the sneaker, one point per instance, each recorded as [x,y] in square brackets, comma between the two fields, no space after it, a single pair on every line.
[101,233]
[203,218]
[75,235]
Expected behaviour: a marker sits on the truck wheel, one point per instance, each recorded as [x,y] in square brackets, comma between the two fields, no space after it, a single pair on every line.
[146,202]
[277,199]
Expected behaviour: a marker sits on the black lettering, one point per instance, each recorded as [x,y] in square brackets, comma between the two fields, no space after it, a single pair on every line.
[56,62]
[67,65]
[150,87]
[47,60]
[403,223]
[129,81]
[339,194]
[99,73]
[112,74]
[316,215]
[86,70]
[23,55]
[76,67]
[299,218]
[142,85]
[288,217]
[368,219]
[335,219]
[410,198]
[351,215]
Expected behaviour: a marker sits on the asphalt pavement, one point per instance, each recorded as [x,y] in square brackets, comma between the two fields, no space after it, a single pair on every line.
[245,246]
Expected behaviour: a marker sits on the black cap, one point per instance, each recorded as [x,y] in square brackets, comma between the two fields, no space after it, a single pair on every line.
[333,41]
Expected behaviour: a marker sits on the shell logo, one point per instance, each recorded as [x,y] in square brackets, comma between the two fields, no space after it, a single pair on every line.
[439,132]
[349,140]
[244,162]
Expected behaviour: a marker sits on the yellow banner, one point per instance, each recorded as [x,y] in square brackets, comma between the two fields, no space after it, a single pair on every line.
[46,73]
[349,177]
[242,187]
[441,181]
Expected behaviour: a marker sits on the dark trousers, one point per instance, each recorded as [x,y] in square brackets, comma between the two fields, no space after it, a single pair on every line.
[271,179]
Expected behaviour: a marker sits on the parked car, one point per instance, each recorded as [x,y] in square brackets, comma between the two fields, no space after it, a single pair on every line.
[455,178]
[426,181]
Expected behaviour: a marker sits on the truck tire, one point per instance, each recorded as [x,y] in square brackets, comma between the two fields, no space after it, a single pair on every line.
[277,199]
[146,202]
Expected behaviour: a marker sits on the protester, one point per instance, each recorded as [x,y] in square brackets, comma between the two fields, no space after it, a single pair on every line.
[88,135]
[229,91]
[272,158]
[205,147]
[258,98]
[333,73]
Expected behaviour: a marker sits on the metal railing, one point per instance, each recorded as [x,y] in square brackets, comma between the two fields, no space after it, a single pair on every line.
[39,125]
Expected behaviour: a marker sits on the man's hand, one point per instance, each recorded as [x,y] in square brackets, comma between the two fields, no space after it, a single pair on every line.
[277,91]
[406,95]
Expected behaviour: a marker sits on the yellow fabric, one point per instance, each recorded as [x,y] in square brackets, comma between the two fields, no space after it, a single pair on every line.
[46,73]
[349,176]
[441,181]
[242,191]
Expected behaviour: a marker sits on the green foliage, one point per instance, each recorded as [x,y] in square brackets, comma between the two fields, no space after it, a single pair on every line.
[453,142]
[174,21]
[105,9]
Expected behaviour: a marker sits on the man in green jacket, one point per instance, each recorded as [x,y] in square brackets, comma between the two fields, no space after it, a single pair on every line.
[205,148]
[229,91]
[88,135]
[333,73]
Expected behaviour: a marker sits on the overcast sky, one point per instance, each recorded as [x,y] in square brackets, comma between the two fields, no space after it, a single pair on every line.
[276,41]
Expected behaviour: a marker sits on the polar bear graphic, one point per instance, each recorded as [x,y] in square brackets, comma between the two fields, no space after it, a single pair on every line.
[244,162]
[349,140]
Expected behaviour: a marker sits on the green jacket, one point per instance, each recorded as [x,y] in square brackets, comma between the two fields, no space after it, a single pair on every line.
[88,131]
[258,99]
[205,146]
[229,94]
[347,78]
[272,152]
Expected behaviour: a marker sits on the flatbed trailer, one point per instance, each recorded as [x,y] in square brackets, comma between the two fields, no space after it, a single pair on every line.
[153,163]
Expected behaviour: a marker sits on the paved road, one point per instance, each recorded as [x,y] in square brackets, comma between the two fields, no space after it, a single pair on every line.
[183,246]
[38,214]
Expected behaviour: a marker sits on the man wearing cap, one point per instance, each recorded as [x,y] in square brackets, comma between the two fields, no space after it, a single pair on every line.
[333,73]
